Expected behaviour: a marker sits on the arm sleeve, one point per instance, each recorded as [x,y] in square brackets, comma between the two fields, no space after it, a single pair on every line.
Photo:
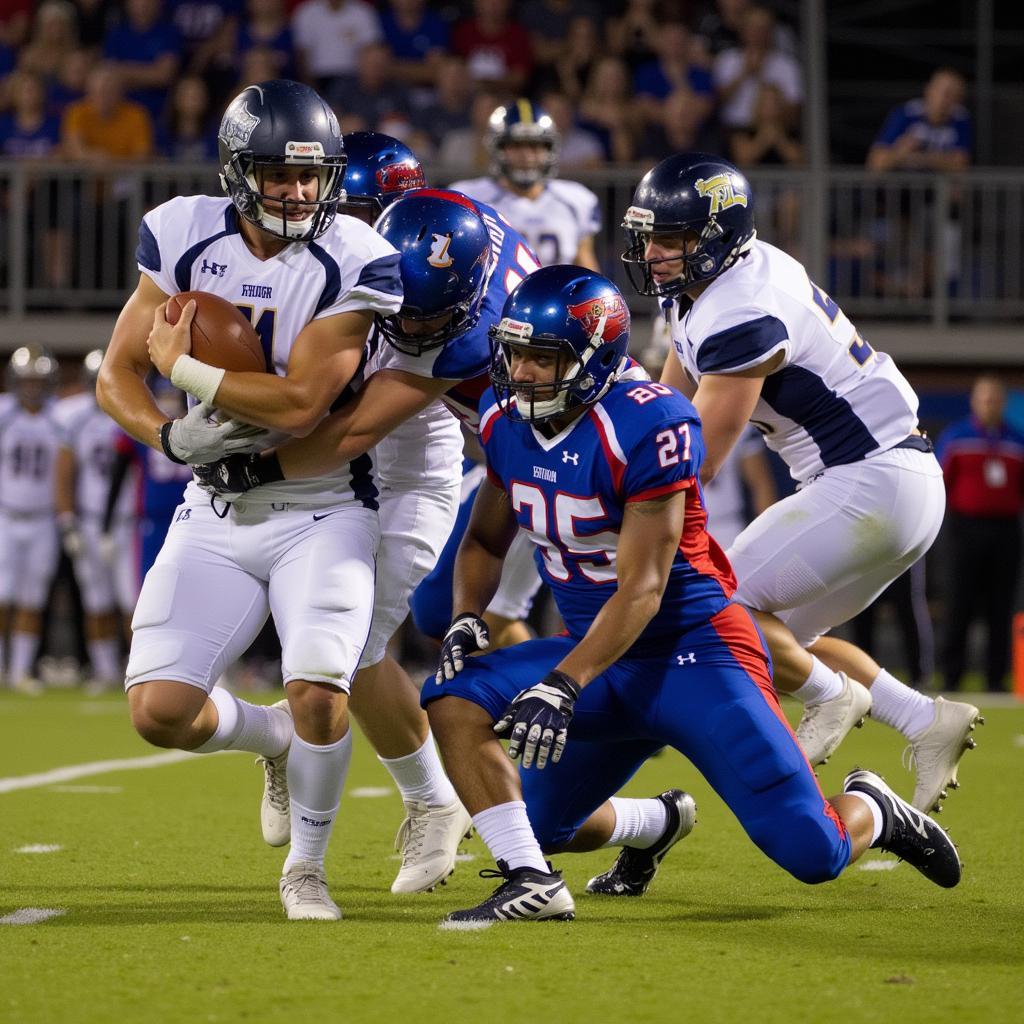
[377,288]
[665,459]
[752,341]
[148,255]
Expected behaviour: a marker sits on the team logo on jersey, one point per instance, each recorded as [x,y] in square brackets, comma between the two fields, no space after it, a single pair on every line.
[400,178]
[611,308]
[721,191]
[439,256]
[239,129]
[216,269]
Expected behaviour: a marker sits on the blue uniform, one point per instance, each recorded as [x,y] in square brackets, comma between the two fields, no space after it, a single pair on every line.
[698,677]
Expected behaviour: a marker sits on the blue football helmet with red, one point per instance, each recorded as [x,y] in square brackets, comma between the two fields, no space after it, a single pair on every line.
[576,317]
[446,253]
[380,170]
[521,121]
[274,124]
[689,194]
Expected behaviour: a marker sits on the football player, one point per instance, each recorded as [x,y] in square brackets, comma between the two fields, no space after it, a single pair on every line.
[603,474]
[754,339]
[311,281]
[30,438]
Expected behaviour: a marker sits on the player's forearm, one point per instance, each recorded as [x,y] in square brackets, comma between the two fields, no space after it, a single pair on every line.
[64,483]
[330,445]
[122,394]
[477,575]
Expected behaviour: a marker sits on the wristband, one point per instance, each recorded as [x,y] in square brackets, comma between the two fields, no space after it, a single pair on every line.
[165,443]
[198,379]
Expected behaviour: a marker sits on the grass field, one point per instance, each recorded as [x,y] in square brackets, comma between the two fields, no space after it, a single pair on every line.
[170,908]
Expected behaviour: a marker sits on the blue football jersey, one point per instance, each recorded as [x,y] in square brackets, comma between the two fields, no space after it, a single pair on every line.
[466,359]
[569,493]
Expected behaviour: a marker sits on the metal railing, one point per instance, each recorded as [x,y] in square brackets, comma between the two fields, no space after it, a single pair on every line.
[917,247]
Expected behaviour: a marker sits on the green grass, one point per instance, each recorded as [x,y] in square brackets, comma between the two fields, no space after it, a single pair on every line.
[172,911]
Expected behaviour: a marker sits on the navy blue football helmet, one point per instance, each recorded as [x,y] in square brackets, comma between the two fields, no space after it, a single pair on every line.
[689,192]
[280,123]
[521,121]
[380,170]
[446,254]
[575,316]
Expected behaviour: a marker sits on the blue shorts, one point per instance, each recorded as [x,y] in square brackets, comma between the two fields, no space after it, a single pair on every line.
[712,699]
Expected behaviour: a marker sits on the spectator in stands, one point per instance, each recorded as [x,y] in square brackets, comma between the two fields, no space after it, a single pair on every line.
[578,148]
[418,39]
[29,131]
[680,127]
[497,49]
[105,125]
[208,30]
[70,83]
[633,35]
[15,17]
[54,38]
[582,48]
[146,48]
[720,28]
[258,64]
[549,22]
[739,73]
[932,133]
[465,149]
[374,101]
[673,71]
[329,35]
[982,459]
[186,133]
[266,26]
[606,108]
[449,110]
[94,19]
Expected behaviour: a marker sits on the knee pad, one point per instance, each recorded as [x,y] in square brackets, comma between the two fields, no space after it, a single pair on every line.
[154,651]
[775,588]
[318,655]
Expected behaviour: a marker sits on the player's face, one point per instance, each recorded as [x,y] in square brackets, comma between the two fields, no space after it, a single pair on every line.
[532,366]
[525,156]
[31,393]
[668,250]
[423,328]
[296,185]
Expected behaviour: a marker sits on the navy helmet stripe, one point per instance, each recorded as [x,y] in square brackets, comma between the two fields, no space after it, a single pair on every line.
[803,397]
[382,275]
[147,254]
[332,277]
[741,345]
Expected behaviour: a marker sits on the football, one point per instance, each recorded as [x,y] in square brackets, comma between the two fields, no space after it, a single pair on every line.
[221,333]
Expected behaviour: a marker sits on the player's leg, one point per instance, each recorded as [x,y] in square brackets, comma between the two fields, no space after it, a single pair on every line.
[415,523]
[462,714]
[33,563]
[321,597]
[96,584]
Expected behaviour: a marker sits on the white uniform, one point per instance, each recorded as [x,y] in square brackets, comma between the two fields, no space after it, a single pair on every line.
[304,549]
[29,546]
[837,413]
[554,223]
[91,435]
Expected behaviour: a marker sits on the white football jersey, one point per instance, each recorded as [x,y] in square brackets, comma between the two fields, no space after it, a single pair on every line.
[92,435]
[553,224]
[28,453]
[193,243]
[834,400]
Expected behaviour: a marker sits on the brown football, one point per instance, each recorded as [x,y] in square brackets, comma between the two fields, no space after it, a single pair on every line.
[221,333]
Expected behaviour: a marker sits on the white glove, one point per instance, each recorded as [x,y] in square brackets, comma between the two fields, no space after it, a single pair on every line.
[70,535]
[195,438]
[108,548]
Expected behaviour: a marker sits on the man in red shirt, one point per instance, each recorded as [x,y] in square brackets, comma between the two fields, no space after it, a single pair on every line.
[496,48]
[982,460]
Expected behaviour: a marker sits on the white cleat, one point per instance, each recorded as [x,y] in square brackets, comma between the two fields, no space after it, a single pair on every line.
[428,840]
[275,809]
[28,686]
[936,751]
[304,894]
[824,726]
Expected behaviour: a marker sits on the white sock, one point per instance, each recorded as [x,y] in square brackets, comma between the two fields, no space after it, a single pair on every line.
[244,726]
[23,655]
[821,685]
[316,777]
[638,823]
[419,776]
[106,664]
[876,813]
[895,704]
[506,830]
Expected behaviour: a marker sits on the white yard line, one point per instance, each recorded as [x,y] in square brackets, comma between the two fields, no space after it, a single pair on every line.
[31,915]
[78,771]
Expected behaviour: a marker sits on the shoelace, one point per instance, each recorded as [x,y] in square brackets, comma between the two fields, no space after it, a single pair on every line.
[908,757]
[277,785]
[411,835]
[310,888]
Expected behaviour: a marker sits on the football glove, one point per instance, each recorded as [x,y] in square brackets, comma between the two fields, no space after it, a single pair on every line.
[466,634]
[196,439]
[538,718]
[70,534]
[231,477]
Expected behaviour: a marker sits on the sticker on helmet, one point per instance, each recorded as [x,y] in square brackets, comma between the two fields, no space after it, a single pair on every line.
[238,128]
[439,256]
[721,191]
[400,178]
[590,312]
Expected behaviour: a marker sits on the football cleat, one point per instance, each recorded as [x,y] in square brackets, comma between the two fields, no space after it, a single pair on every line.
[28,686]
[304,894]
[936,751]
[525,895]
[275,808]
[634,870]
[907,833]
[428,840]
[824,726]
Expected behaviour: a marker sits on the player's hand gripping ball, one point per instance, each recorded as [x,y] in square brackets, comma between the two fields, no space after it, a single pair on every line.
[222,335]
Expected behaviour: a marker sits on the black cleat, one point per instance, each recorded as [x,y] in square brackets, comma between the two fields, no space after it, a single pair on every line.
[634,870]
[907,833]
[524,895]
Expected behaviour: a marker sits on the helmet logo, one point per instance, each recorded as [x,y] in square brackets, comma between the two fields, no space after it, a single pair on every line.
[591,311]
[400,178]
[303,152]
[238,128]
[720,191]
[439,256]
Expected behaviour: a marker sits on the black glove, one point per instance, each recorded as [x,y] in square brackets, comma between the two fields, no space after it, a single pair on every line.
[466,634]
[237,474]
[539,718]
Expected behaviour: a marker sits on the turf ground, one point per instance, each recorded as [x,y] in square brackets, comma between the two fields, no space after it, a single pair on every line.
[170,908]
